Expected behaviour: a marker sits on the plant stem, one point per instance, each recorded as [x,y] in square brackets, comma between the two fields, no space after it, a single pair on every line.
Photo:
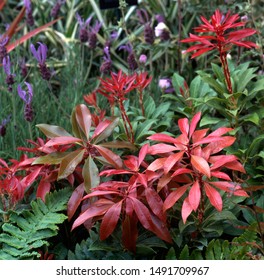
[141,103]
[126,121]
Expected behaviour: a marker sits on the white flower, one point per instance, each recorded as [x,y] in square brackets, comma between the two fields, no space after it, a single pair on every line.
[164,83]
[160,28]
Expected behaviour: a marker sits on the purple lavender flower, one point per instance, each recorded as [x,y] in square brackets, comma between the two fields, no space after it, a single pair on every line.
[148,31]
[3,125]
[30,19]
[160,18]
[27,97]
[3,42]
[131,60]
[88,33]
[41,56]
[107,64]
[9,76]
[56,8]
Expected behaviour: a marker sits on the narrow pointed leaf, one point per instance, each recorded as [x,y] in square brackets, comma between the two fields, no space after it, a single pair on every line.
[43,188]
[84,119]
[173,197]
[52,131]
[162,137]
[90,175]
[62,140]
[161,149]
[53,158]
[29,35]
[111,157]
[186,210]
[194,123]
[110,220]
[75,201]
[171,161]
[155,202]
[194,196]
[69,163]
[214,197]
[96,209]
[157,164]
[184,126]
[201,165]
[142,153]
[119,144]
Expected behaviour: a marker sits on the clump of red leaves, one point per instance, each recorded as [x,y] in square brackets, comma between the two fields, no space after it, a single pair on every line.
[222,36]
[188,166]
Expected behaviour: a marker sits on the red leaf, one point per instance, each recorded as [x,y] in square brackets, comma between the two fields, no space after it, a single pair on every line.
[215,147]
[220,175]
[184,126]
[194,196]
[110,220]
[75,200]
[96,209]
[214,197]
[199,134]
[207,139]
[29,179]
[161,149]
[174,197]
[43,188]
[130,232]
[220,131]
[155,202]
[171,161]
[164,180]
[222,160]
[194,123]
[111,157]
[62,140]
[201,165]
[131,163]
[157,164]
[84,119]
[162,137]
[142,213]
[160,229]
[235,165]
[186,210]
[142,153]
[29,35]
[181,171]
[100,192]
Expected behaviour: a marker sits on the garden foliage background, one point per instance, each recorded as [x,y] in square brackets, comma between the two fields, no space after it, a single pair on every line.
[119,139]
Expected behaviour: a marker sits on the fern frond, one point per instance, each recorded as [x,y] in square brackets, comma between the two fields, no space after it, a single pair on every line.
[30,230]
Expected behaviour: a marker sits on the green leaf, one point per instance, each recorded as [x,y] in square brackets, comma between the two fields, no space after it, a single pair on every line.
[252,118]
[209,120]
[53,158]
[171,255]
[69,163]
[185,255]
[255,145]
[214,84]
[178,82]
[150,107]
[52,131]
[90,174]
[143,129]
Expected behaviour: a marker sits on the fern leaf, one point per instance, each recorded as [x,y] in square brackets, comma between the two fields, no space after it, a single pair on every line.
[31,229]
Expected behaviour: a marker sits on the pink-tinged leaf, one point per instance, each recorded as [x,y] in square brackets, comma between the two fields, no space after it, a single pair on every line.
[104,129]
[3,163]
[69,163]
[184,126]
[194,195]
[2,4]
[201,165]
[221,161]
[207,139]
[90,174]
[142,153]
[181,171]
[84,119]
[215,147]
[201,51]
[142,213]
[220,131]
[131,162]
[110,220]
[199,134]
[62,140]
[235,165]
[111,172]
[110,157]
[157,164]
[171,161]
[155,202]
[162,137]
[142,179]
[186,210]
[29,179]
[75,201]
[161,149]
[160,229]
[130,232]
[101,193]
[52,131]
[163,181]
[43,188]
[214,197]
[29,35]
[173,197]
[96,209]
[229,187]
[220,175]
[194,123]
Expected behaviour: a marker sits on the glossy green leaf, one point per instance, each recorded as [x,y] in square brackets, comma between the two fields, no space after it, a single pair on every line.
[69,163]
[52,130]
[90,174]
[53,158]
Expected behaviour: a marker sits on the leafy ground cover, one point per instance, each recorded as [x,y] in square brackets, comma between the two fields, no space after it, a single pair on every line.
[133,131]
